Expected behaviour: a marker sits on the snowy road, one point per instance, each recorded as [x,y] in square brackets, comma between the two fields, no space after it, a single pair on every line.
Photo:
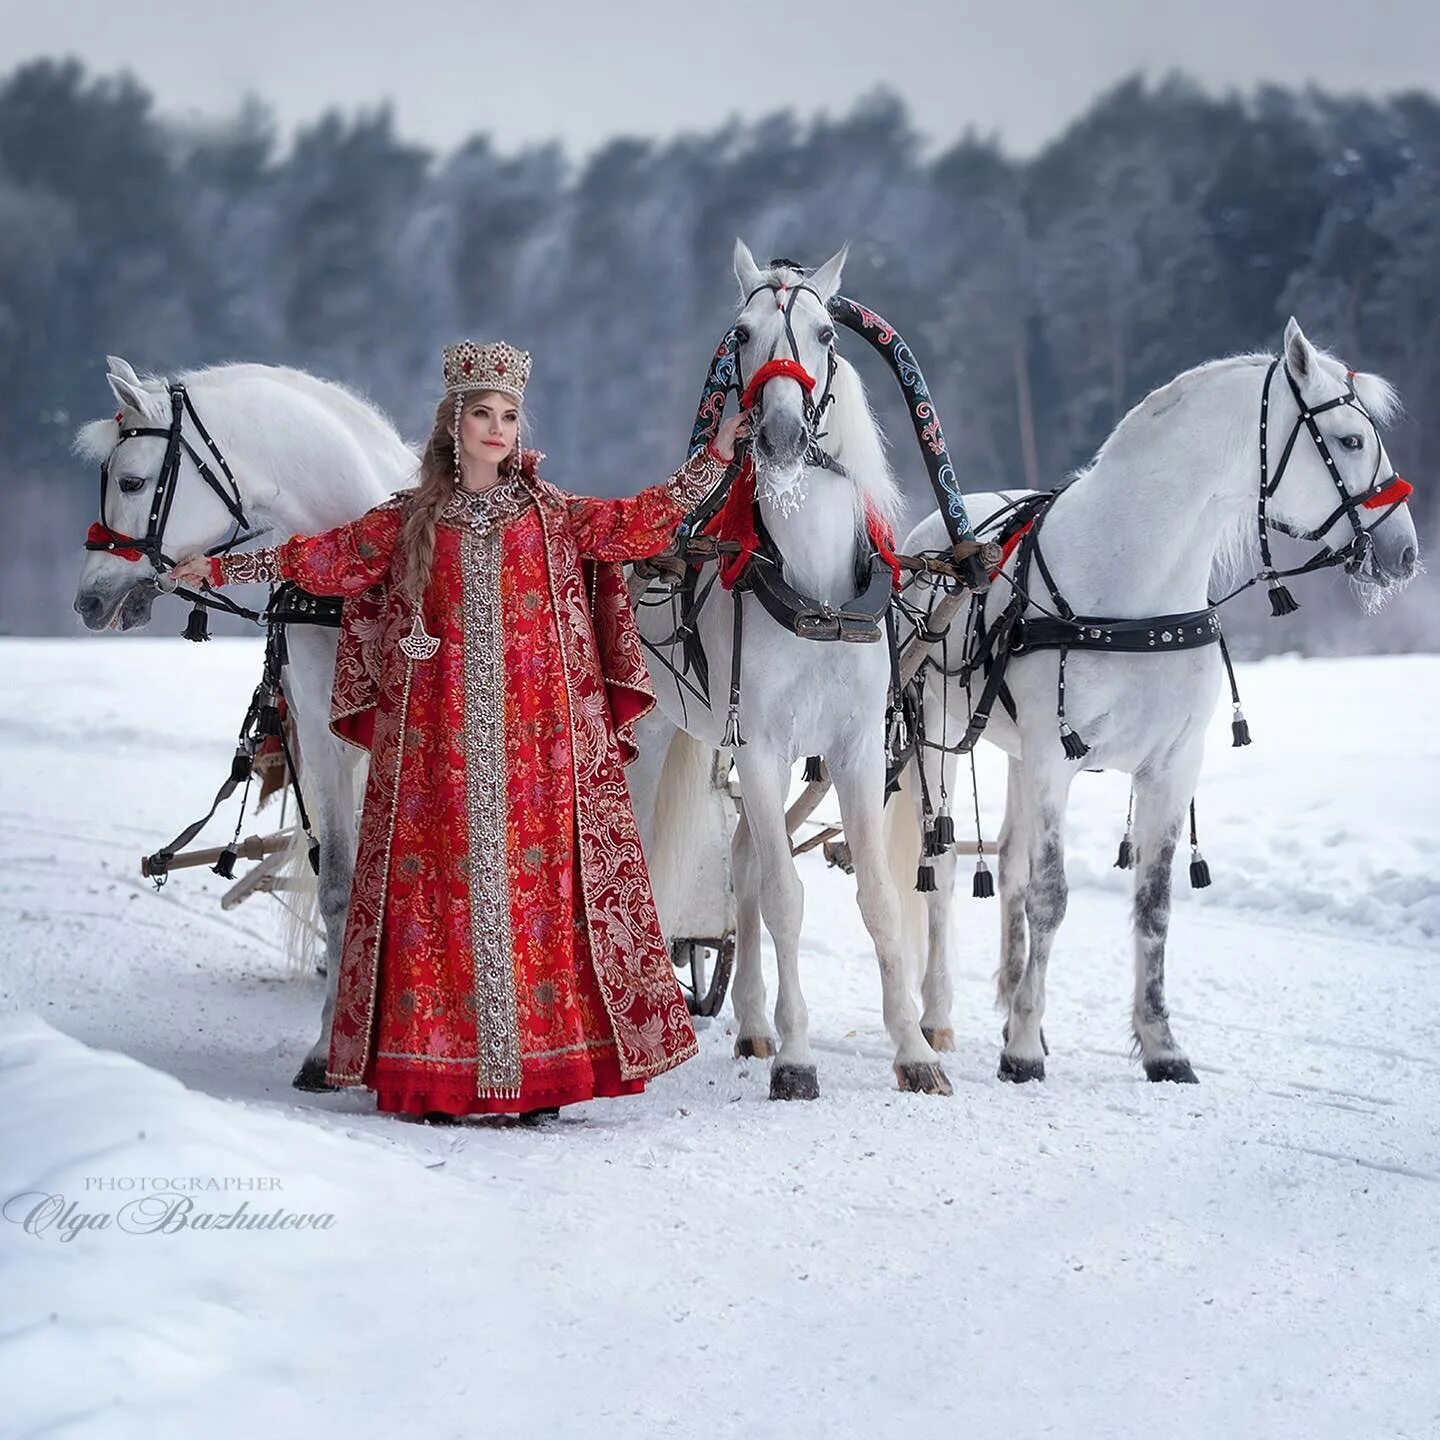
[1094,1257]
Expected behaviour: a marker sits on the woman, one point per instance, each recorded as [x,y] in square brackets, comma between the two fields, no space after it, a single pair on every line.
[501,950]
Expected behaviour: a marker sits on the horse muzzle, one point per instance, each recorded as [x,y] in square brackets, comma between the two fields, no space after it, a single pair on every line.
[125,609]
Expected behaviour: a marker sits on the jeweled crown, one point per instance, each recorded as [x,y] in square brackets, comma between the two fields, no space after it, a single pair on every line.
[494,366]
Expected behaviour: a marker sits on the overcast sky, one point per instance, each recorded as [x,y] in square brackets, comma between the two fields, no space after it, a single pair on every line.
[583,70]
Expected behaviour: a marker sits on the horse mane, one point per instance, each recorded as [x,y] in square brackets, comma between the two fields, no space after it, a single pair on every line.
[95,440]
[856,440]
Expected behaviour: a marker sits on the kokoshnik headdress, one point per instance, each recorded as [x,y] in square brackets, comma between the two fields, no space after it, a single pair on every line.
[470,367]
[494,366]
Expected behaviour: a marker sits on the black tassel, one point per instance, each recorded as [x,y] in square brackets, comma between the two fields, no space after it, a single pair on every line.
[732,737]
[984,886]
[224,867]
[928,845]
[944,832]
[1282,602]
[1199,870]
[197,627]
[315,856]
[812,770]
[268,722]
[925,879]
[1240,729]
[1075,747]
[240,765]
[1125,857]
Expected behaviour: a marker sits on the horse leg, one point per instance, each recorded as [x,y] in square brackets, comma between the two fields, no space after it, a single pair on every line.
[1013,858]
[1160,802]
[747,988]
[764,781]
[937,990]
[328,777]
[1045,790]
[917,1067]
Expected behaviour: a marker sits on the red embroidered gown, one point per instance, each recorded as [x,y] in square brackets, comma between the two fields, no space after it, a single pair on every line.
[501,950]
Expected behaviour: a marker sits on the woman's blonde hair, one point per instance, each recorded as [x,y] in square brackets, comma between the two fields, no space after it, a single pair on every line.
[436,484]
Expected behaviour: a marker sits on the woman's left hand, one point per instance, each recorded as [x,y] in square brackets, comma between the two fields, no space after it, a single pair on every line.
[736,427]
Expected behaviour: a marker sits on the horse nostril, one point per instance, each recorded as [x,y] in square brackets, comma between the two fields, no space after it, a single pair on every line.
[767,446]
[1407,562]
[87,607]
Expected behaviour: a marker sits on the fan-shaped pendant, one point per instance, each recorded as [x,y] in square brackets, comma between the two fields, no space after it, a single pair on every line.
[419,644]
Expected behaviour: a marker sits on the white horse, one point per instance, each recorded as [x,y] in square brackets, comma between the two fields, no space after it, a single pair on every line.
[1172,491]
[799,696]
[306,455]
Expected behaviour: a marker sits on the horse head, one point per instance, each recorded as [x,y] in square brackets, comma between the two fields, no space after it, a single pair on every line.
[1337,486]
[118,586]
[784,344]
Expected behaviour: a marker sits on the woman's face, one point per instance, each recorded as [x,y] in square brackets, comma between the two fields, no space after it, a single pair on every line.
[489,428]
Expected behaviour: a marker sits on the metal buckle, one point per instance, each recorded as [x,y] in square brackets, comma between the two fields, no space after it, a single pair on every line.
[859,629]
[817,624]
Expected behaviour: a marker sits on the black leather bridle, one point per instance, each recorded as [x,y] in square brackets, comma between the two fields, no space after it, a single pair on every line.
[1389,493]
[814,409]
[151,545]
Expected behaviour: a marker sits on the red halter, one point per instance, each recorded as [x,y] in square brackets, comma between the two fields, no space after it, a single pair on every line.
[773,370]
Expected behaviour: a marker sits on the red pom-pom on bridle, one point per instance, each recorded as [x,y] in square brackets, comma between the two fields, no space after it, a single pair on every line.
[775,370]
[1395,493]
[102,537]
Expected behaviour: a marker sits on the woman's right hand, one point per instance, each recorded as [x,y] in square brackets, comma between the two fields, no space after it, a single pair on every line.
[194,571]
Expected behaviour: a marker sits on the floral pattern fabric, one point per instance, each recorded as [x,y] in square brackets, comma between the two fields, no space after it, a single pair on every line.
[501,949]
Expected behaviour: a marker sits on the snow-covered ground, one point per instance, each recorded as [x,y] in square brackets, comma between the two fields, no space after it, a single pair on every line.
[1094,1257]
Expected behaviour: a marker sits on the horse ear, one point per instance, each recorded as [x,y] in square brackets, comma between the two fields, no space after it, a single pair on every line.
[747,272]
[1299,352]
[826,280]
[134,398]
[122,369]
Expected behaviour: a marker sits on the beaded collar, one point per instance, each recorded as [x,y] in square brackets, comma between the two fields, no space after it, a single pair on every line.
[483,510]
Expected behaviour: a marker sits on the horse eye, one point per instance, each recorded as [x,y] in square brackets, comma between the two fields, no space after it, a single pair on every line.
[131,483]
[1352,442]
[827,335]
[742,334]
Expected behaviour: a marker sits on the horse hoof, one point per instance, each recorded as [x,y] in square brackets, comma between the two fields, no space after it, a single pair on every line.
[1005,1035]
[754,1047]
[1175,1068]
[794,1082]
[311,1077]
[938,1039]
[1020,1071]
[924,1079]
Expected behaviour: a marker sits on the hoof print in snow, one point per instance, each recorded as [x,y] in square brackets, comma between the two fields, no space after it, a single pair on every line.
[794,1082]
[754,1047]
[1019,1071]
[924,1079]
[311,1076]
[938,1039]
[1175,1068]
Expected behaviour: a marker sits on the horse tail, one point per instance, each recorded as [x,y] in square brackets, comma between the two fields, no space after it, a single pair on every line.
[691,847]
[299,893]
[902,848]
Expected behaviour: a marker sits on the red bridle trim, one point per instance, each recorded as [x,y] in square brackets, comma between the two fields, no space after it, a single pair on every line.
[775,370]
[1395,493]
[102,535]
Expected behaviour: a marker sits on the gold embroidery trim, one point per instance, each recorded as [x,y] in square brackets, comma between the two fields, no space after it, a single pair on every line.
[492,955]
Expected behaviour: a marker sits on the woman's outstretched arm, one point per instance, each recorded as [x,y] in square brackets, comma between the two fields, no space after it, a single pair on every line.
[343,561]
[637,526]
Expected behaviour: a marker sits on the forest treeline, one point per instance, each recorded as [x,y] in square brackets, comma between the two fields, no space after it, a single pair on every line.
[1044,296]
